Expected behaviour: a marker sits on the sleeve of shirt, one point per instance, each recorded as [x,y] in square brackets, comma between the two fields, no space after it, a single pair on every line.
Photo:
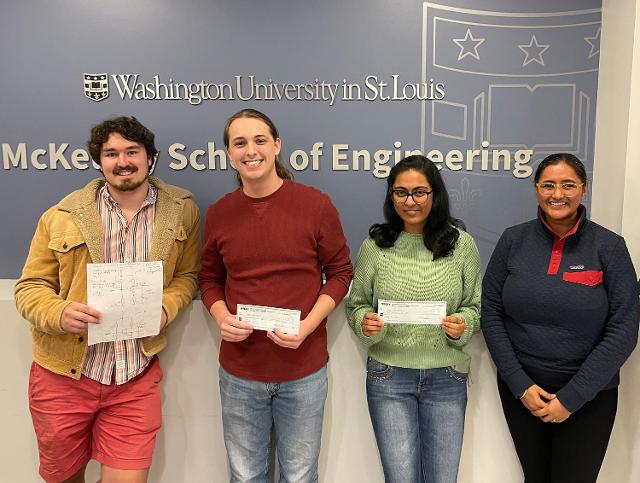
[37,291]
[469,308]
[619,336]
[333,254]
[213,275]
[492,321]
[184,282]
[360,300]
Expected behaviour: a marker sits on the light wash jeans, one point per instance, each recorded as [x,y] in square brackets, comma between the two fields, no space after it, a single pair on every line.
[294,409]
[418,420]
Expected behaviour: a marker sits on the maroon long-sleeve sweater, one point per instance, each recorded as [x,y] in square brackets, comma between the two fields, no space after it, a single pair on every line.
[273,251]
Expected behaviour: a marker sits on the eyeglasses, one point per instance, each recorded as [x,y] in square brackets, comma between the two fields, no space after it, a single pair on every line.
[418,196]
[568,187]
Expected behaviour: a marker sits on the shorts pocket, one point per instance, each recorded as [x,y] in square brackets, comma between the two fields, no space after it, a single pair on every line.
[34,378]
[377,371]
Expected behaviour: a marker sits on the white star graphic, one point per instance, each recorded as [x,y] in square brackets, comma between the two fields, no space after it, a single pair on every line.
[594,42]
[468,46]
[533,51]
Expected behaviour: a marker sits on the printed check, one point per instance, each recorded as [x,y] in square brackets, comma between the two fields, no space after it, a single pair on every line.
[270,318]
[405,312]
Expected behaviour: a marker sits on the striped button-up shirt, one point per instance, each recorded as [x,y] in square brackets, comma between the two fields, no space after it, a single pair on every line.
[123,242]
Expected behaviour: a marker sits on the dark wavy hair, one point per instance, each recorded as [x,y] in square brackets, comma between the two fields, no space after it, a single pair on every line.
[439,234]
[281,170]
[129,128]
[558,158]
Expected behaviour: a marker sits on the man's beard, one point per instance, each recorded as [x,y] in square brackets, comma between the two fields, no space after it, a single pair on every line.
[130,185]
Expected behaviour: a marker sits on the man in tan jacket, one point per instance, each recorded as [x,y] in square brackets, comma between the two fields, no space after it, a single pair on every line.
[102,401]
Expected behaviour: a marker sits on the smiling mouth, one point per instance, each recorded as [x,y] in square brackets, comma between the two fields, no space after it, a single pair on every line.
[253,163]
[124,172]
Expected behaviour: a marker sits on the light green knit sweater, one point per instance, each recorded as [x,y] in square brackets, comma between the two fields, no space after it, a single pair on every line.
[407,271]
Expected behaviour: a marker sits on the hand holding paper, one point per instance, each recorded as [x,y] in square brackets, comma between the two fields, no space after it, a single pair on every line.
[234,330]
[372,324]
[453,326]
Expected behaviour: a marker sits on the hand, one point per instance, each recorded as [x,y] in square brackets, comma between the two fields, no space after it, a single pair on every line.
[76,317]
[163,322]
[372,324]
[288,341]
[453,326]
[536,398]
[163,319]
[554,412]
[233,330]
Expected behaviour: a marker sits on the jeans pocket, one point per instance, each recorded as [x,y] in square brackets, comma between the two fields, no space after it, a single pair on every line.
[377,371]
[457,375]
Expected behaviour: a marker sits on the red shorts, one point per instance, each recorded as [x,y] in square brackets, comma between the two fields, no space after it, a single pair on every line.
[76,421]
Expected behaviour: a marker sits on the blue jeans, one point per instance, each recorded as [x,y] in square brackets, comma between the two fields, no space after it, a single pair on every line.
[418,420]
[293,409]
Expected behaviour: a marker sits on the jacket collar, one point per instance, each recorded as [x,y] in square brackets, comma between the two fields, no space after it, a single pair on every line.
[582,214]
[83,207]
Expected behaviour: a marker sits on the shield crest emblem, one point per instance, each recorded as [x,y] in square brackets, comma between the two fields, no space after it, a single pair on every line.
[96,86]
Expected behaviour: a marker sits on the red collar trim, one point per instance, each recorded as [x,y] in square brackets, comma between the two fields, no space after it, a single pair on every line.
[582,213]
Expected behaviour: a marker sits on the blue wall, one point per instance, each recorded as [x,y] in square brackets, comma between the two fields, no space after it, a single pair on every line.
[524,83]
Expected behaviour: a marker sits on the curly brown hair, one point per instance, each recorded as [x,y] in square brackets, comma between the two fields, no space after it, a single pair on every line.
[129,128]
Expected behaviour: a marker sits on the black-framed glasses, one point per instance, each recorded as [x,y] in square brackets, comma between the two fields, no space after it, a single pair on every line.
[418,196]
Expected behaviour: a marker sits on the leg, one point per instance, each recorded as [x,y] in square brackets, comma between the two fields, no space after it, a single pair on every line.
[247,422]
[298,411]
[393,407]
[125,429]
[62,410]
[78,477]
[442,405]
[114,475]
[531,437]
[580,443]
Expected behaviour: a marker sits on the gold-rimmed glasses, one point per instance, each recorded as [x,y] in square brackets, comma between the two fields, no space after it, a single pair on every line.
[567,187]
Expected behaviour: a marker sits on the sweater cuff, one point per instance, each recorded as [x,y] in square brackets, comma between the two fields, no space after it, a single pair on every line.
[518,382]
[211,296]
[570,398]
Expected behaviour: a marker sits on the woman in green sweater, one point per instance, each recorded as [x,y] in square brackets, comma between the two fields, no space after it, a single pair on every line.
[417,370]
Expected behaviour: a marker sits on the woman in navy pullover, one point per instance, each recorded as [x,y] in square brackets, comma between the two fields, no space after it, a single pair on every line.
[560,316]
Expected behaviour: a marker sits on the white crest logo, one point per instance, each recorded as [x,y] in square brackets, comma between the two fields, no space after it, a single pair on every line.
[96,86]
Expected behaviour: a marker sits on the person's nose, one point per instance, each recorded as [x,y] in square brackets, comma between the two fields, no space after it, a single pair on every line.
[410,201]
[558,192]
[121,161]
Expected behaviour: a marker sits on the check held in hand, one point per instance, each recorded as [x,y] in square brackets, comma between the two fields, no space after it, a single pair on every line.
[412,312]
[270,318]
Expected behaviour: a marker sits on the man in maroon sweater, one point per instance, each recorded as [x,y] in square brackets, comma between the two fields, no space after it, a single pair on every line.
[268,243]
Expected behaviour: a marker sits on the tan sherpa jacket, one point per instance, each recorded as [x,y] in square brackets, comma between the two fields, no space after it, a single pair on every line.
[69,235]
